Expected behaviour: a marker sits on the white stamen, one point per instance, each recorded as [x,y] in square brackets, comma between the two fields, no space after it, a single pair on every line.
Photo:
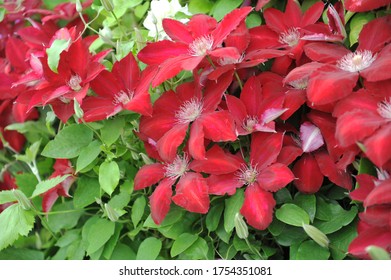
[382,175]
[189,111]
[229,60]
[248,175]
[74,82]
[299,84]
[122,97]
[250,122]
[290,37]
[384,108]
[201,46]
[177,168]
[357,61]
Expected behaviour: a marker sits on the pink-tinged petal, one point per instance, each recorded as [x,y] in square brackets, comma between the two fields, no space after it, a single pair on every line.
[148,175]
[294,99]
[329,84]
[379,70]
[201,25]
[272,114]
[380,195]
[275,177]
[127,71]
[355,126]
[217,162]
[329,169]
[177,31]
[228,24]
[376,216]
[292,15]
[159,52]
[325,52]
[223,184]
[191,193]
[371,39]
[63,111]
[236,108]
[362,100]
[371,237]
[160,200]
[260,4]
[215,74]
[218,126]
[301,73]
[265,148]
[155,127]
[309,177]
[365,5]
[60,91]
[274,20]
[366,183]
[312,14]
[196,141]
[106,85]
[336,20]
[311,137]
[168,145]
[258,207]
[141,103]
[377,146]
[64,187]
[48,200]
[379,89]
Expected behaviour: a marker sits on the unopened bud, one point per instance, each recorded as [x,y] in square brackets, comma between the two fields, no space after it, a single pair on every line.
[240,226]
[108,5]
[79,113]
[316,235]
[377,253]
[106,35]
[79,7]
[111,213]
[24,202]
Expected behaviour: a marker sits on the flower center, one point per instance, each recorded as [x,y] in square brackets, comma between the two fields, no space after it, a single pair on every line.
[64,100]
[74,82]
[357,61]
[201,45]
[177,168]
[299,84]
[249,123]
[122,97]
[290,37]
[229,60]
[384,108]
[189,111]
[248,174]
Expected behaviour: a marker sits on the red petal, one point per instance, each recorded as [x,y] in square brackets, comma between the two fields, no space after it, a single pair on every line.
[48,200]
[378,146]
[201,25]
[380,69]
[192,193]
[362,100]
[177,31]
[148,175]
[223,184]
[302,72]
[365,5]
[15,51]
[307,171]
[239,38]
[159,52]
[217,162]
[141,103]
[167,145]
[312,14]
[371,237]
[236,108]
[366,183]
[275,177]
[380,195]
[258,207]
[274,20]
[160,200]
[226,52]
[292,15]
[127,71]
[260,4]
[219,126]
[371,39]
[329,83]
[79,57]
[377,216]
[252,96]
[293,101]
[214,91]
[106,85]
[325,52]
[265,148]
[156,126]
[196,141]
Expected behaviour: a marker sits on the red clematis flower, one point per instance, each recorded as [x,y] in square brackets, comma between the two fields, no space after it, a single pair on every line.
[365,5]
[61,167]
[120,89]
[175,112]
[262,175]
[6,183]
[201,37]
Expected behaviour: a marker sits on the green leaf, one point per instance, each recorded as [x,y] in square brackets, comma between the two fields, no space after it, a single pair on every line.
[87,155]
[123,252]
[200,6]
[253,20]
[32,151]
[68,238]
[99,233]
[183,242]
[341,240]
[109,176]
[112,130]
[2,13]
[138,210]
[21,254]
[291,235]
[26,182]
[223,7]
[110,245]
[309,250]
[67,220]
[141,10]
[198,251]
[46,185]
[69,142]
[7,196]
[306,202]
[232,207]
[214,216]
[54,52]
[149,249]
[87,190]
[14,222]
[356,25]
[292,214]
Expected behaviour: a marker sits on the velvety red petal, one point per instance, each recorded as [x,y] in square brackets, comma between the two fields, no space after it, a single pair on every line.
[97,108]
[201,25]
[292,15]
[214,90]
[191,193]
[293,101]
[366,183]
[252,96]
[309,177]
[379,70]
[196,141]
[377,216]
[226,52]
[106,85]
[273,18]
[364,5]
[325,52]
[380,195]
[141,103]
[312,14]
[371,39]
[362,100]
[48,200]
[63,111]
[265,148]
[177,31]
[289,153]
[302,72]
[258,207]
[236,108]
[371,237]
[159,52]
[148,175]
[168,145]
[155,127]
[223,184]
[377,146]
[219,126]
[15,51]
[127,71]
[275,177]
[160,200]
[79,56]
[238,38]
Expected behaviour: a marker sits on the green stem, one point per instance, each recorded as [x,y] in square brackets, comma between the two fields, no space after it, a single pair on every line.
[210,61]
[239,80]
[119,24]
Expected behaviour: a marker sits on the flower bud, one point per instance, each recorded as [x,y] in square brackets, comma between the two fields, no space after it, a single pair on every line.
[377,253]
[79,7]
[24,202]
[108,5]
[111,213]
[240,226]
[316,235]
[106,35]
[78,110]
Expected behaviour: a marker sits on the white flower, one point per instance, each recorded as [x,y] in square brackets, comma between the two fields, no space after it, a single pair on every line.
[161,9]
